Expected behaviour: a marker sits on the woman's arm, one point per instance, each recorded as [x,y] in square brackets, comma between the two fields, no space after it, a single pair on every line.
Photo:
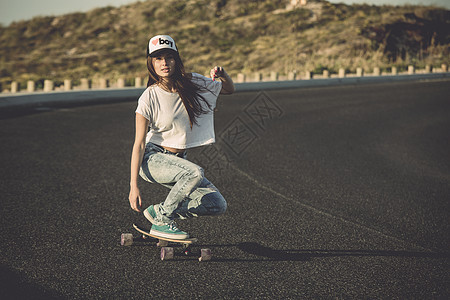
[227,82]
[136,161]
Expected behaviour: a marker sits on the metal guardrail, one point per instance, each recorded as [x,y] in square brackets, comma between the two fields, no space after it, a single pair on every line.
[59,98]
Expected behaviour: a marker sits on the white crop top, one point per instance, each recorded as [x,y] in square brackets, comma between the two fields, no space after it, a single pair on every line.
[169,121]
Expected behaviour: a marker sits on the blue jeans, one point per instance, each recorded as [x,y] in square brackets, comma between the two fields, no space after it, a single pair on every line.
[191,194]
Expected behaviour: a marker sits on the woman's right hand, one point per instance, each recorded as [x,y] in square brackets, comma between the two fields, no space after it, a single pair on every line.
[135,199]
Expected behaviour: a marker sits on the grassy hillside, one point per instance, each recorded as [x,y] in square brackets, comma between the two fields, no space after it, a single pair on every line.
[243,36]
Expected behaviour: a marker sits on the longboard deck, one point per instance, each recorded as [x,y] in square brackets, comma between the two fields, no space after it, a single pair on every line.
[147,232]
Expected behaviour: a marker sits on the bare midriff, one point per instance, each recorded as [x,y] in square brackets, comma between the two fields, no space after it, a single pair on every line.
[174,150]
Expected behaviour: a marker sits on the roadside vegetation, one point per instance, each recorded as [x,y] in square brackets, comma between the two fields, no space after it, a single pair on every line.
[243,36]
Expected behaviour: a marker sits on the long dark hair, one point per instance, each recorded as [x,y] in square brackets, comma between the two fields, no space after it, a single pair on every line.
[182,83]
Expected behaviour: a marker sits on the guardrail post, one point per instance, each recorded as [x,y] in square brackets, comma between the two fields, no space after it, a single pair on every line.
[308,75]
[85,84]
[394,71]
[411,70]
[341,73]
[241,77]
[274,76]
[359,72]
[428,69]
[14,87]
[444,68]
[292,75]
[31,86]
[138,82]
[67,84]
[326,74]
[120,83]
[103,83]
[48,85]
[258,76]
[376,71]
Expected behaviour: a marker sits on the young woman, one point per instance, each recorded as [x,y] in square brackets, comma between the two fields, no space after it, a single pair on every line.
[175,113]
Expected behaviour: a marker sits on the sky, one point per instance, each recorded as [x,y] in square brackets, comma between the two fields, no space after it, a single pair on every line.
[17,10]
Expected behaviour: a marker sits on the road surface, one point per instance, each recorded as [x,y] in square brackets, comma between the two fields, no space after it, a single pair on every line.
[332,192]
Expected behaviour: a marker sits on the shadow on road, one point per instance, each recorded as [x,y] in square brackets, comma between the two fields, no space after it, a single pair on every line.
[264,253]
[306,254]
[14,285]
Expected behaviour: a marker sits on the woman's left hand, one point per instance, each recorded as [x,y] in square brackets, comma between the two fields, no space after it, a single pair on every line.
[216,72]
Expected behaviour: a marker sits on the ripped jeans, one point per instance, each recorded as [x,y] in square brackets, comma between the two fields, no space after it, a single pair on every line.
[191,194]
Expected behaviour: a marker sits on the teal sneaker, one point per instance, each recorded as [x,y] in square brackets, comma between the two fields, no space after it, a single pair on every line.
[150,214]
[169,231]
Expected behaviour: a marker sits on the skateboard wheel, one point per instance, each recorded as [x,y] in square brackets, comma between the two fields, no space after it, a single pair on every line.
[205,254]
[166,253]
[126,239]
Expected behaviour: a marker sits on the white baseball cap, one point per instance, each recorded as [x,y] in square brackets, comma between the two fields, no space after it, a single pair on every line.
[160,42]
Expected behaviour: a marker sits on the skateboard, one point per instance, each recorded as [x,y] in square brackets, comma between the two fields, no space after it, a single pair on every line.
[167,252]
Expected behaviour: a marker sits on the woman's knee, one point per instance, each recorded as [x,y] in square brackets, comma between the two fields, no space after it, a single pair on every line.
[217,204]
[222,208]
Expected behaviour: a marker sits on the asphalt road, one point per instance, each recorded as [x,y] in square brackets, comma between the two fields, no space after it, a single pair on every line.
[333,192]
